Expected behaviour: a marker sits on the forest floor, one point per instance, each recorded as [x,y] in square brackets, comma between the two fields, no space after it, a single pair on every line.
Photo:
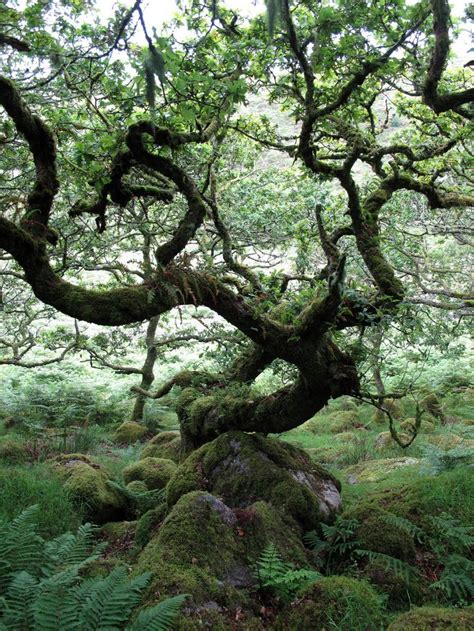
[397,556]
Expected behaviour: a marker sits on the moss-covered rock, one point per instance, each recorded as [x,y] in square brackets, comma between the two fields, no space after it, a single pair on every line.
[154,472]
[426,426]
[434,619]
[137,486]
[164,445]
[402,589]
[197,550]
[87,483]
[335,422]
[376,470]
[378,534]
[148,523]
[245,468]
[432,405]
[385,440]
[338,602]
[395,408]
[13,451]
[130,432]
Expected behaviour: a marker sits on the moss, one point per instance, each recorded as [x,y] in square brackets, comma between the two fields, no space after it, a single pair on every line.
[244,468]
[154,472]
[376,470]
[129,432]
[12,451]
[164,445]
[432,405]
[400,589]
[393,406]
[426,426]
[379,535]
[147,524]
[434,619]
[384,440]
[336,422]
[339,602]
[137,486]
[217,619]
[198,551]
[87,485]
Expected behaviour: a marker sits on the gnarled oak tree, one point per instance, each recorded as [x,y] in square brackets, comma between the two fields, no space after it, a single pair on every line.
[340,70]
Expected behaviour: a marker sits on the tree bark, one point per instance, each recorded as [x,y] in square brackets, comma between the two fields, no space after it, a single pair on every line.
[147,370]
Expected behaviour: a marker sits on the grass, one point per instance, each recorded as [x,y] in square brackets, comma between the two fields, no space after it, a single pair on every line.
[23,486]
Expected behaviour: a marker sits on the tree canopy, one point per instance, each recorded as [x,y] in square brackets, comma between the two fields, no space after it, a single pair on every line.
[139,175]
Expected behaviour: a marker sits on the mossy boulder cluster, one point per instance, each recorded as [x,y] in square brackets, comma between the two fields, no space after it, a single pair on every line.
[245,468]
[434,619]
[87,483]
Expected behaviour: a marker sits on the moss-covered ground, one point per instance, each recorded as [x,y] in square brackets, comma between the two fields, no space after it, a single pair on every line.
[396,554]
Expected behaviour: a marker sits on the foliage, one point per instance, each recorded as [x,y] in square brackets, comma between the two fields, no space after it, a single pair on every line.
[439,459]
[44,586]
[281,578]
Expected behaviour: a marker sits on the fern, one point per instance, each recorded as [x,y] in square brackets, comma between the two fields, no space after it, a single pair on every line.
[439,460]
[400,568]
[405,524]
[140,501]
[160,617]
[455,582]
[43,587]
[282,578]
[338,542]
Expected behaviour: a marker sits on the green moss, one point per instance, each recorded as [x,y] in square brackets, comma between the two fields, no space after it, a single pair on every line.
[393,406]
[147,524]
[385,440]
[338,602]
[87,485]
[196,550]
[164,445]
[12,451]
[129,432]
[154,472]
[335,422]
[244,468]
[137,486]
[426,426]
[400,589]
[434,619]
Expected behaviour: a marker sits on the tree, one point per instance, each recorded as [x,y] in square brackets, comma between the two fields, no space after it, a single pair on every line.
[341,70]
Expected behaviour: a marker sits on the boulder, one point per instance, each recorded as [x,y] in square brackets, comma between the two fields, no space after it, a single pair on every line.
[245,468]
[376,470]
[434,619]
[337,602]
[163,445]
[129,432]
[13,451]
[384,440]
[154,472]
[426,426]
[432,405]
[87,483]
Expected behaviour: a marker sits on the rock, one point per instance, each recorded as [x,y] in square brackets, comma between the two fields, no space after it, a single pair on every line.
[245,468]
[129,432]
[154,472]
[432,405]
[402,590]
[205,548]
[393,406]
[376,470]
[384,440]
[163,445]
[147,524]
[86,483]
[13,451]
[137,486]
[408,425]
[434,619]
[378,534]
[336,422]
[337,602]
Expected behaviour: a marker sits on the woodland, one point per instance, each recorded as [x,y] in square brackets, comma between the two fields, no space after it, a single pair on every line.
[236,315]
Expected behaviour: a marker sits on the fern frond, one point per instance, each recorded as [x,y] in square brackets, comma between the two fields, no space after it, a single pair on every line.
[404,524]
[160,617]
[391,563]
